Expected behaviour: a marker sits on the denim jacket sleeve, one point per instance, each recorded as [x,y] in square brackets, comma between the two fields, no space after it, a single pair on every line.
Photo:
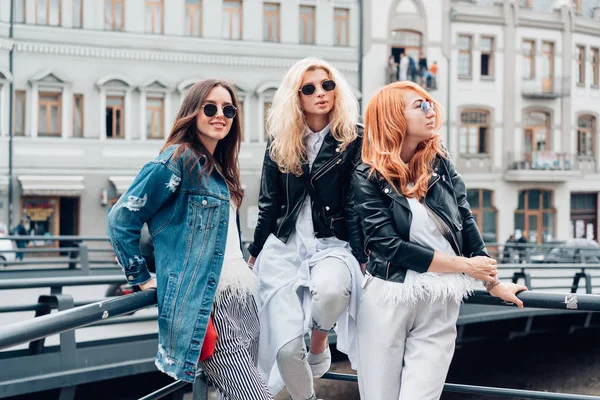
[151,188]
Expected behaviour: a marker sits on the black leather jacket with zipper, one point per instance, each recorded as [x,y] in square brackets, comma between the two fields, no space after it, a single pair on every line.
[386,219]
[282,194]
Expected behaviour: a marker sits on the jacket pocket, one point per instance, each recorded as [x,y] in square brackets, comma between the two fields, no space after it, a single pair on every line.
[168,303]
[201,212]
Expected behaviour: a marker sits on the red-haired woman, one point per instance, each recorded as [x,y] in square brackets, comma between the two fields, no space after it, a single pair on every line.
[425,251]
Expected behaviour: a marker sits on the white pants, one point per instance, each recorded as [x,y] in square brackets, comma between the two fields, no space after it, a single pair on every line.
[330,286]
[404,351]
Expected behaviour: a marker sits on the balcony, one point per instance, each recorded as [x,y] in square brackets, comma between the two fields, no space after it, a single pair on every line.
[546,88]
[428,82]
[546,166]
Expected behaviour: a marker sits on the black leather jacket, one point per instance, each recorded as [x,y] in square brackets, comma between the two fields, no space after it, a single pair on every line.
[281,197]
[386,219]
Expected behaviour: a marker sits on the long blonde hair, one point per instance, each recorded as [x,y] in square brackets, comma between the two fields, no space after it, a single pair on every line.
[286,122]
[385,131]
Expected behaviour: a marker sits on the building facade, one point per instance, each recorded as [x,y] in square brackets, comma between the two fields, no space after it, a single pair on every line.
[98,83]
[519,82]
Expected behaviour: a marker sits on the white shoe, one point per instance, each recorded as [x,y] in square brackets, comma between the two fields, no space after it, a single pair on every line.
[319,363]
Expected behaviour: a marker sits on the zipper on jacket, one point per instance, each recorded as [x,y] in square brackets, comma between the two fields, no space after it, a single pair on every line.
[444,228]
[387,272]
[336,160]
[287,196]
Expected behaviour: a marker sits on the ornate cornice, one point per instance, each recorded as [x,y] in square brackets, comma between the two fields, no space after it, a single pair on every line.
[6,44]
[164,56]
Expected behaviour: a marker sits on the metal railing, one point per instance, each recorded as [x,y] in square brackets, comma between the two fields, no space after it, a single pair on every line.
[64,322]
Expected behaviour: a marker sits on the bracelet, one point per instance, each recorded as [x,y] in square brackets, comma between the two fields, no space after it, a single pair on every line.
[490,285]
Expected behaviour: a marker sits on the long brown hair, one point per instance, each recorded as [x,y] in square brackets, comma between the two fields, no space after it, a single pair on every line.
[385,131]
[185,134]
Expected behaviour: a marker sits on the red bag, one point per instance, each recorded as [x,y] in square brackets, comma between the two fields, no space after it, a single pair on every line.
[210,341]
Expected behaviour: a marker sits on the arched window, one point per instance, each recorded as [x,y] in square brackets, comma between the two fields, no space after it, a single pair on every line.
[535,216]
[484,212]
[474,132]
[586,135]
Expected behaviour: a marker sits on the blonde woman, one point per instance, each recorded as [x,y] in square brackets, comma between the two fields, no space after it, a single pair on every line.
[308,240]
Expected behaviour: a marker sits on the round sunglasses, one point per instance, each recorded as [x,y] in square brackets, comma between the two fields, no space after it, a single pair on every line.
[210,110]
[309,88]
[426,106]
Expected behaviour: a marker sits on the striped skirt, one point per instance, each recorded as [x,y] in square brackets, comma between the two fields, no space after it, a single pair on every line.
[232,368]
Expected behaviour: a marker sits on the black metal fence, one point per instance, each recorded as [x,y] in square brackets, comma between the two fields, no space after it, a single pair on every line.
[64,322]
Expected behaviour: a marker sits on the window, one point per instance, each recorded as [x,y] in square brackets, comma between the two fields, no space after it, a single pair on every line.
[586,132]
[473,133]
[47,12]
[537,131]
[155,114]
[307,24]
[596,67]
[271,22]
[484,212]
[19,121]
[154,16]
[49,118]
[266,108]
[464,56]
[115,107]
[535,215]
[528,59]
[114,15]
[231,23]
[342,27]
[77,115]
[19,10]
[525,3]
[77,14]
[487,56]
[547,67]
[581,65]
[577,4]
[584,211]
[193,17]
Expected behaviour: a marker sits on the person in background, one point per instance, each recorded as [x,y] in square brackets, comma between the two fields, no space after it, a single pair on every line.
[392,69]
[20,230]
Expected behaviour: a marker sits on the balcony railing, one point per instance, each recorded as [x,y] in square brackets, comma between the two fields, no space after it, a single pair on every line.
[546,88]
[546,166]
[428,82]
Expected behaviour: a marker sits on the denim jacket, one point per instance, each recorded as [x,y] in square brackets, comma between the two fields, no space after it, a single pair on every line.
[187,220]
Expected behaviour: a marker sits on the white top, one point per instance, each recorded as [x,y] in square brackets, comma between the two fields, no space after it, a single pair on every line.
[304,223]
[235,276]
[430,286]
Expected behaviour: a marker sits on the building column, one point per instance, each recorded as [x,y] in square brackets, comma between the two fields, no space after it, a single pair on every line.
[128,114]
[66,129]
[4,101]
[66,13]
[565,101]
[247,121]
[34,107]
[511,141]
[102,113]
[167,120]
[142,116]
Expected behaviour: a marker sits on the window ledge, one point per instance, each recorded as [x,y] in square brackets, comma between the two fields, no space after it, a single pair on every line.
[595,86]
[488,78]
[580,85]
[475,156]
[465,77]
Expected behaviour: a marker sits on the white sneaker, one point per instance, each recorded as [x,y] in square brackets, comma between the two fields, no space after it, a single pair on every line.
[319,363]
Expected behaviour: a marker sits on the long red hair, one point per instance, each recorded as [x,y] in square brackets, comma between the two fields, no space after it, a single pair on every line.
[385,131]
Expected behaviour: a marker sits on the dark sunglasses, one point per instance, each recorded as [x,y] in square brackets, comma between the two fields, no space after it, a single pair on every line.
[309,88]
[210,110]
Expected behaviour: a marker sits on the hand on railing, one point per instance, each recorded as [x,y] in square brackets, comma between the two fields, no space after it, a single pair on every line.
[151,284]
[482,268]
[507,292]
